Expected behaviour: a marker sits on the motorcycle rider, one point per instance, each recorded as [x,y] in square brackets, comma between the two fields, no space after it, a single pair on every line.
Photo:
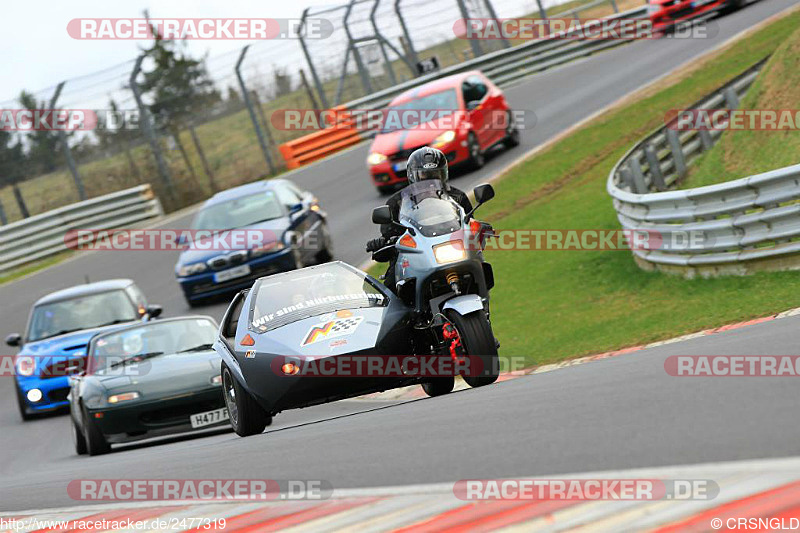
[423,164]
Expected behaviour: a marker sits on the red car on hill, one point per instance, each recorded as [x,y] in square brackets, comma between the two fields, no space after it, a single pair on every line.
[463,115]
[664,14]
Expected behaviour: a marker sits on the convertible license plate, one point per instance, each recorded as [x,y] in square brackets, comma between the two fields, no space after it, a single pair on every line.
[231,273]
[206,419]
[400,167]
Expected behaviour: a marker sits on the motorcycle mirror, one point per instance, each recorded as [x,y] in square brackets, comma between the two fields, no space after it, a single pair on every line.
[483,193]
[382,215]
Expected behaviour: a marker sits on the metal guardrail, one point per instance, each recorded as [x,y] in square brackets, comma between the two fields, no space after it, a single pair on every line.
[740,226]
[43,235]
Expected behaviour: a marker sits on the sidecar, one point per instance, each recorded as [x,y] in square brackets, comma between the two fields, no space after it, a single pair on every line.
[294,338]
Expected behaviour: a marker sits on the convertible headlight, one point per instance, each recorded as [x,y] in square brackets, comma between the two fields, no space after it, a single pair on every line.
[444,138]
[194,268]
[26,366]
[267,249]
[124,397]
[449,252]
[375,159]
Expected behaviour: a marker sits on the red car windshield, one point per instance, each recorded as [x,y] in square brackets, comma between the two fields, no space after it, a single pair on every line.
[444,102]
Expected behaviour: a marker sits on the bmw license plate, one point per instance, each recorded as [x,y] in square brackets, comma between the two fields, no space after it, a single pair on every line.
[232,273]
[208,418]
[400,167]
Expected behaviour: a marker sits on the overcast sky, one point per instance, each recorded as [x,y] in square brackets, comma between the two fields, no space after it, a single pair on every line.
[36,52]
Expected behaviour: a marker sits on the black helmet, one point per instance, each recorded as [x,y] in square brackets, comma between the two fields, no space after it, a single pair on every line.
[427,163]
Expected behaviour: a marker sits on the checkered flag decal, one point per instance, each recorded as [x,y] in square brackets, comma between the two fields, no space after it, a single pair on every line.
[335,328]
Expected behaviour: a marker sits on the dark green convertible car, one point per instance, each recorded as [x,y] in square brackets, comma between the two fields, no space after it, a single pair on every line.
[147,380]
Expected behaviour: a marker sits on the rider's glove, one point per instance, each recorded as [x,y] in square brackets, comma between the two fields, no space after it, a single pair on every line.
[376,244]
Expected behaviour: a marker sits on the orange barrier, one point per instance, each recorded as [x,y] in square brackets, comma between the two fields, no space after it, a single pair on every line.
[321,143]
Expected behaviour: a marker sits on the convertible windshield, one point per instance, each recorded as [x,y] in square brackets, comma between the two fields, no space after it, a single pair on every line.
[284,298]
[445,103]
[239,212]
[428,208]
[151,339]
[86,312]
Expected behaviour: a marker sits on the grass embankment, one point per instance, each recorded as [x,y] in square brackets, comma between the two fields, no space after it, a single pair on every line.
[553,305]
[741,153]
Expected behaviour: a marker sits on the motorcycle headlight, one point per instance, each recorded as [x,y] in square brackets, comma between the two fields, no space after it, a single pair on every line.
[194,268]
[375,159]
[449,252]
[267,249]
[444,138]
[124,397]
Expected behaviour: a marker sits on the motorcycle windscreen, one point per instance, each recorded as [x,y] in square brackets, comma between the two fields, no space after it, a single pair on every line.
[282,299]
[428,208]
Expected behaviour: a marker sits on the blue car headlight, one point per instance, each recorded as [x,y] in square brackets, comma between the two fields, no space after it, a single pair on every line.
[194,268]
[267,249]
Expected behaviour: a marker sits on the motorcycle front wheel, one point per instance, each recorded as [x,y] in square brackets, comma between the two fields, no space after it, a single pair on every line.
[477,340]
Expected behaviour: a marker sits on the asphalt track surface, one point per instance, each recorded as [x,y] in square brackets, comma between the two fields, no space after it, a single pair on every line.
[624,412]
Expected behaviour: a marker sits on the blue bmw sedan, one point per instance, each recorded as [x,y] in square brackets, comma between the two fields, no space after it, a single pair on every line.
[249,232]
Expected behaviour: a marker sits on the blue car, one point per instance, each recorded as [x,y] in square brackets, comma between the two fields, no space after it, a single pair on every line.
[59,328]
[257,229]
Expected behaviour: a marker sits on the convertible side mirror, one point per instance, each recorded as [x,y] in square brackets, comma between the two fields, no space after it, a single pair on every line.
[15,339]
[483,193]
[154,311]
[382,215]
[295,208]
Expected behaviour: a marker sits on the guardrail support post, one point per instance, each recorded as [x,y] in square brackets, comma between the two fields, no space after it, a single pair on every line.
[731,98]
[3,219]
[304,46]
[705,139]
[253,118]
[144,120]
[639,185]
[62,139]
[627,178]
[474,43]
[677,152]
[655,168]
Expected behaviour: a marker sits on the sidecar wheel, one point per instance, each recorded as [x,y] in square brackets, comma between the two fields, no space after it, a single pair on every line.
[477,339]
[439,386]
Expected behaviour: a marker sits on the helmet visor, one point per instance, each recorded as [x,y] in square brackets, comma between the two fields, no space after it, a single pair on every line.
[420,174]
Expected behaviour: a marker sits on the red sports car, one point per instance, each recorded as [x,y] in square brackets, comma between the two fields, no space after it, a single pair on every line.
[462,115]
[664,14]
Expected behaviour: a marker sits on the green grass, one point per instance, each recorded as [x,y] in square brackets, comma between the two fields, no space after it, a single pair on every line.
[741,153]
[553,305]
[33,267]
